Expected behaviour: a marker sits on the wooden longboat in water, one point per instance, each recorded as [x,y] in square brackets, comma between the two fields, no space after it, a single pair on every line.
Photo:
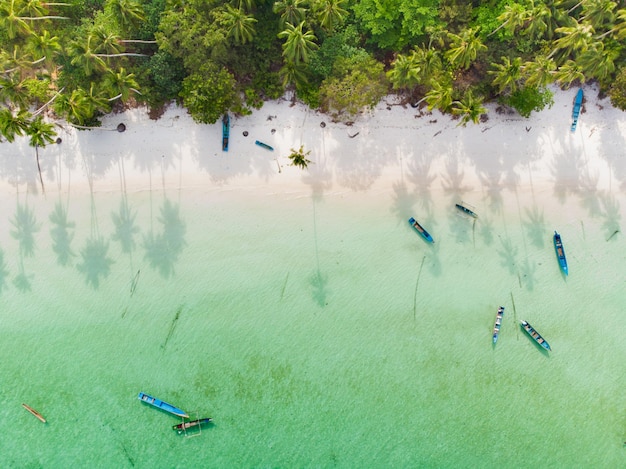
[159,404]
[34,412]
[466,210]
[181,427]
[420,229]
[560,253]
[535,335]
[498,324]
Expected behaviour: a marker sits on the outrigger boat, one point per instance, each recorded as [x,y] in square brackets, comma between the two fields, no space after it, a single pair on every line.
[225,131]
[264,145]
[535,335]
[578,103]
[182,427]
[560,252]
[421,230]
[466,210]
[34,412]
[496,327]
[162,405]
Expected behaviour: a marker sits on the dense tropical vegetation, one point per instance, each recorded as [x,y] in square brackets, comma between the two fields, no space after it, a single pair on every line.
[75,60]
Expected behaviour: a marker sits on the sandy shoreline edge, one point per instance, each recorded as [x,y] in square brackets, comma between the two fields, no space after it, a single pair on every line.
[391,141]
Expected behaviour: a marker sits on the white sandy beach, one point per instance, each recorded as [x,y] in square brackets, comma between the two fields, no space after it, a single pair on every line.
[429,149]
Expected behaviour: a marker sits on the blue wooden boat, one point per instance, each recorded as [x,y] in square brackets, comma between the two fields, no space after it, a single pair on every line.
[535,335]
[182,427]
[466,210]
[162,405]
[560,252]
[421,230]
[496,327]
[225,131]
[264,145]
[578,104]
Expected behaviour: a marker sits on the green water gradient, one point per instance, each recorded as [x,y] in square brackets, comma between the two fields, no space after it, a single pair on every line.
[316,330]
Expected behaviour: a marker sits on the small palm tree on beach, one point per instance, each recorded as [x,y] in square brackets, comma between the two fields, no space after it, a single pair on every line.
[299,157]
[41,133]
[469,108]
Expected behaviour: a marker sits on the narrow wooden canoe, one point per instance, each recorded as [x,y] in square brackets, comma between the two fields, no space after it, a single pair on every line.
[420,229]
[535,335]
[34,412]
[560,253]
[466,210]
[498,324]
[225,131]
[578,104]
[264,145]
[159,404]
[181,427]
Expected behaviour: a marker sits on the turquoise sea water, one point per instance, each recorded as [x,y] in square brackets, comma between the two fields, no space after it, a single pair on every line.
[313,324]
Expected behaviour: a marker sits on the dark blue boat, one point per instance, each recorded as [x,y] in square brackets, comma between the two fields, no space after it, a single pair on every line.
[421,230]
[578,104]
[159,404]
[264,145]
[496,327]
[560,252]
[535,335]
[466,210]
[225,131]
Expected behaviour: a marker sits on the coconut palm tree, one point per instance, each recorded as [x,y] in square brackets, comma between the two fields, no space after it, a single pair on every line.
[507,74]
[299,158]
[128,13]
[298,43]
[574,38]
[293,74]
[511,18]
[290,11]
[539,72]
[598,61]
[10,21]
[120,84]
[240,25]
[405,71]
[84,55]
[76,107]
[464,48]
[469,108]
[41,133]
[429,61]
[13,92]
[13,124]
[330,13]
[568,73]
[440,95]
[599,13]
[538,21]
[44,46]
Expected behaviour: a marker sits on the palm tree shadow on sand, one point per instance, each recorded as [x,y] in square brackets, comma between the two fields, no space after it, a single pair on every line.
[4,273]
[164,249]
[25,227]
[62,234]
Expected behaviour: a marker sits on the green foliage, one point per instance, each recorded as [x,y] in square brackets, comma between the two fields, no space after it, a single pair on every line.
[38,89]
[167,74]
[394,24]
[617,91]
[357,83]
[529,99]
[299,158]
[208,93]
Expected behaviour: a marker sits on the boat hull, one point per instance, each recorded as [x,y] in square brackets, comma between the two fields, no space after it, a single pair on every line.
[535,335]
[225,132]
[159,404]
[560,253]
[498,324]
[420,229]
[264,145]
[578,104]
[466,210]
[181,427]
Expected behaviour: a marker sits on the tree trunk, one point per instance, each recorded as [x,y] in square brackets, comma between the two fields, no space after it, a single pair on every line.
[39,168]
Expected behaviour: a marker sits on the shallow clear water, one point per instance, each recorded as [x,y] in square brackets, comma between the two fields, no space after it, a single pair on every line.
[314,326]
